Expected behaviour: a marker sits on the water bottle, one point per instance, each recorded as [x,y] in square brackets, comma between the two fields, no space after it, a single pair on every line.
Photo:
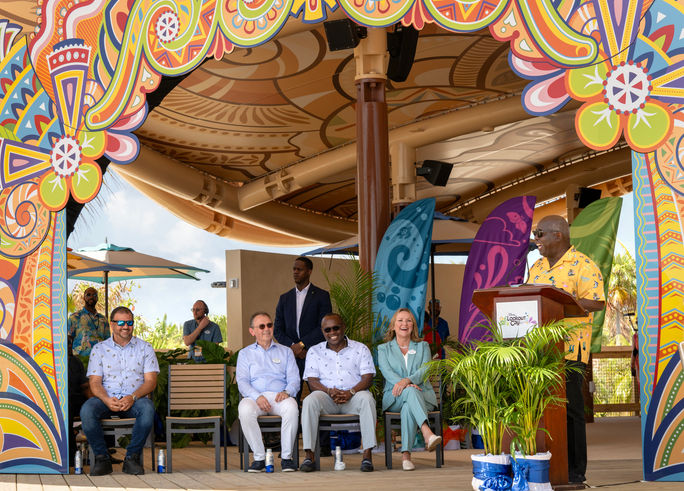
[78,463]
[269,460]
[339,463]
[161,461]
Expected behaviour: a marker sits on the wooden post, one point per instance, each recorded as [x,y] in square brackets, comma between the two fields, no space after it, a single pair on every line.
[372,176]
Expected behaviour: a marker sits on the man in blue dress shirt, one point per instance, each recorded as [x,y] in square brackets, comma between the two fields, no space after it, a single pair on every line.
[122,370]
[268,379]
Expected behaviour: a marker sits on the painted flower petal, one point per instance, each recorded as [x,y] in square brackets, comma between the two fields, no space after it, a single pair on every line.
[648,127]
[92,143]
[86,181]
[597,126]
[53,191]
[587,82]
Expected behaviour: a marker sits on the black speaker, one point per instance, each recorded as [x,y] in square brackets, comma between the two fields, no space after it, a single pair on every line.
[401,45]
[437,173]
[587,196]
[343,34]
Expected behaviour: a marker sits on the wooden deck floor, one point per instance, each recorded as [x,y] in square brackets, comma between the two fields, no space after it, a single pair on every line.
[614,463]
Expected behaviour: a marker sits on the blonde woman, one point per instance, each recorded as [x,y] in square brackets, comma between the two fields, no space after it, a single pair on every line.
[402,361]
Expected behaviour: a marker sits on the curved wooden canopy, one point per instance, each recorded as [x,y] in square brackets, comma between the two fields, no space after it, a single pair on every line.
[260,146]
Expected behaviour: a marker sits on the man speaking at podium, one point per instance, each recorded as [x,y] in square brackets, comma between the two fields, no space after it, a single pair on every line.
[562,266]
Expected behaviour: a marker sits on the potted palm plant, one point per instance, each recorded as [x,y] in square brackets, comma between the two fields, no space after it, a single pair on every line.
[486,404]
[535,367]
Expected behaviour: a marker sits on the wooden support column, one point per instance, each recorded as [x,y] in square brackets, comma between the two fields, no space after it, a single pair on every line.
[403,158]
[372,175]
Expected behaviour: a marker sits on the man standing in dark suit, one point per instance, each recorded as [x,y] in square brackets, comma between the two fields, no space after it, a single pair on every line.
[300,311]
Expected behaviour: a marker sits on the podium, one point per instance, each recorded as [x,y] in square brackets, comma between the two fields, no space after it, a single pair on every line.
[542,304]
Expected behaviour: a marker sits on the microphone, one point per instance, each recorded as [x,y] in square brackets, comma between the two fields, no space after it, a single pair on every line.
[516,263]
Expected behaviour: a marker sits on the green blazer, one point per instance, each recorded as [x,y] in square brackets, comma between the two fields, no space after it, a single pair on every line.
[393,368]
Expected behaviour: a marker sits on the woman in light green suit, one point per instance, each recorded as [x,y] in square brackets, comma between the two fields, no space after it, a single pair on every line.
[402,361]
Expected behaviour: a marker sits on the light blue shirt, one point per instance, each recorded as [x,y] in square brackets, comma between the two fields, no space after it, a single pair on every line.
[122,368]
[341,370]
[272,370]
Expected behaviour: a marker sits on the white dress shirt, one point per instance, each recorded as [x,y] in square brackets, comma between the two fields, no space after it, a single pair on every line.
[300,296]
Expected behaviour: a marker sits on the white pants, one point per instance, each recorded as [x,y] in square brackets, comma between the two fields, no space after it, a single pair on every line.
[318,402]
[286,409]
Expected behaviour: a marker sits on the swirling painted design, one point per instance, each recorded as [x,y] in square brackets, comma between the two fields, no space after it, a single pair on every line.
[313,11]
[7,305]
[59,310]
[648,276]
[31,422]
[379,13]
[254,23]
[669,156]
[401,266]
[42,342]
[664,424]
[24,222]
[497,257]
[465,16]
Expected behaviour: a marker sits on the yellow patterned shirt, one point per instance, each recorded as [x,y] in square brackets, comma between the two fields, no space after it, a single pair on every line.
[578,275]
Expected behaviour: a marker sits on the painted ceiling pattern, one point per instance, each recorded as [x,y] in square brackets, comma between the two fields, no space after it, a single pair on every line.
[74,90]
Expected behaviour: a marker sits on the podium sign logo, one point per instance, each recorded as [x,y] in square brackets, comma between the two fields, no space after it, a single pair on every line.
[516,318]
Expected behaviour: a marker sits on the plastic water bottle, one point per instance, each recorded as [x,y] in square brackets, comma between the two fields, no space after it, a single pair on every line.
[78,463]
[161,461]
[339,463]
[269,460]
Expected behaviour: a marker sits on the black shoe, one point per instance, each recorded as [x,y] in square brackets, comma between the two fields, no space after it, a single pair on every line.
[132,465]
[288,465]
[307,466]
[367,466]
[257,466]
[102,466]
[576,478]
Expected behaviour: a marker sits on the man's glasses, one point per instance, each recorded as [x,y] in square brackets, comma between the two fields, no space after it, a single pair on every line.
[331,328]
[123,323]
[539,233]
[264,326]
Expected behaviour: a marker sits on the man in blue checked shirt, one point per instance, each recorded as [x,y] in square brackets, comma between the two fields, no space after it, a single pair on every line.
[122,370]
[268,379]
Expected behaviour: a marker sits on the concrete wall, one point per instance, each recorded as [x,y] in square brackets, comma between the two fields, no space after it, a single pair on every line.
[262,277]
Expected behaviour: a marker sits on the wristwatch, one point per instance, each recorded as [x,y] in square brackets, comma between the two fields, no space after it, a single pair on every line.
[303,345]
[352,391]
[135,398]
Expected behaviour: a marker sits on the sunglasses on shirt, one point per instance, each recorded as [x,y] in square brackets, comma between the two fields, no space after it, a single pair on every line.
[264,326]
[332,328]
[123,323]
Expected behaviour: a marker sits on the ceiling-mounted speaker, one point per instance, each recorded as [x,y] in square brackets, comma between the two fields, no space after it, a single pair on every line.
[401,45]
[437,173]
[343,34]
[587,196]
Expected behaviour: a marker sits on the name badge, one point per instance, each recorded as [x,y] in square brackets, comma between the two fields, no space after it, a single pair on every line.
[275,360]
[206,331]
[411,352]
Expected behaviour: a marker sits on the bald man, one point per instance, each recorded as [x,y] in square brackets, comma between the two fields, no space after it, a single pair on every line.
[562,266]
[87,327]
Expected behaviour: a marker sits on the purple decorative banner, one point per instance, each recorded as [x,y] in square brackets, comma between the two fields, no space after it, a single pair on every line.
[496,258]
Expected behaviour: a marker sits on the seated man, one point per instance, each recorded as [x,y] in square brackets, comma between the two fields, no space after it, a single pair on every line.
[339,372]
[268,379]
[122,371]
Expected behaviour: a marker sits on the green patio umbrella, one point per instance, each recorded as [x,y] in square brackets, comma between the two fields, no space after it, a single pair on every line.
[130,265]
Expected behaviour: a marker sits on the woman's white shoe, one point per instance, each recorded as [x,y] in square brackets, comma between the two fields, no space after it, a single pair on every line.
[433,442]
[407,465]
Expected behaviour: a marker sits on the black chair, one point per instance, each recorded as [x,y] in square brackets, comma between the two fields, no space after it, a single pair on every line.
[267,424]
[199,387]
[334,422]
[123,426]
[393,422]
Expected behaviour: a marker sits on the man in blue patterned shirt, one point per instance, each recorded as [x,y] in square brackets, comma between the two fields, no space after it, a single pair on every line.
[87,327]
[122,370]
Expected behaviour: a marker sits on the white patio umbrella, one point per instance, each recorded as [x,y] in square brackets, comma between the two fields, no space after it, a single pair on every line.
[130,265]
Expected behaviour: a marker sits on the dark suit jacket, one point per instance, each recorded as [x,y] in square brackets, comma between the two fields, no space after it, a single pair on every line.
[316,305]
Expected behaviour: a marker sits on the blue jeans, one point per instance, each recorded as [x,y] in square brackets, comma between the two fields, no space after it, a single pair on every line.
[93,410]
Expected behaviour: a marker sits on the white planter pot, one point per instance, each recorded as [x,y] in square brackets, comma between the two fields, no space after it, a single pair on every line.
[488,465]
[536,472]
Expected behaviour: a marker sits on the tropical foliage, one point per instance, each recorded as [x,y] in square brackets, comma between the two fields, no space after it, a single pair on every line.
[507,384]
[621,300]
